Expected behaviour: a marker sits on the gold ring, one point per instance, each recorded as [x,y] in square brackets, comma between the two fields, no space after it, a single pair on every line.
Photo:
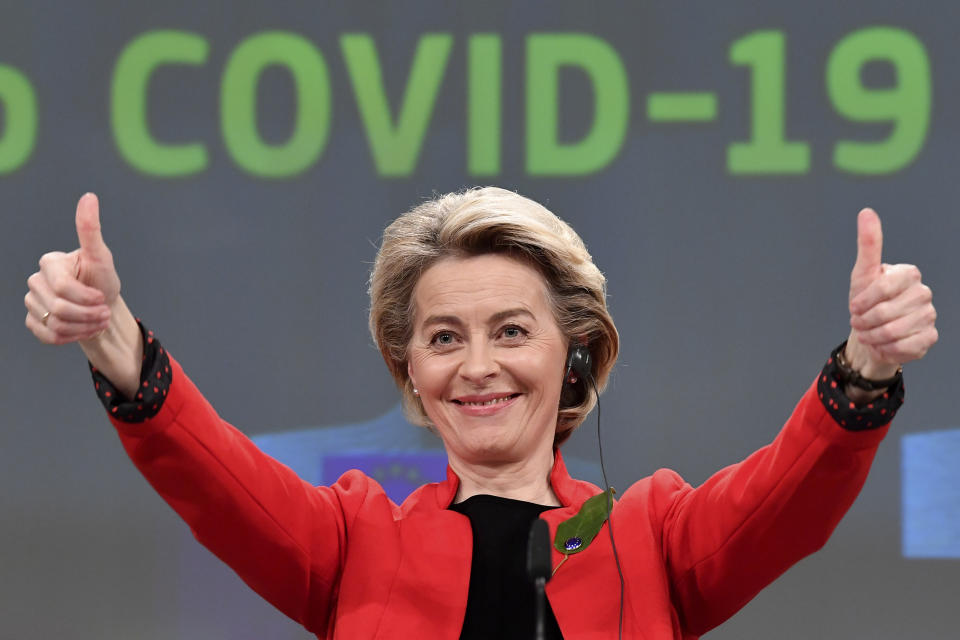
[43,319]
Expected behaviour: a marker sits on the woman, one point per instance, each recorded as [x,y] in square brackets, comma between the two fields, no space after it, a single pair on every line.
[477,300]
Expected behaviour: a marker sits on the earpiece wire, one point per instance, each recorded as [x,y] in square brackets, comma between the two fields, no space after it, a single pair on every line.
[606,485]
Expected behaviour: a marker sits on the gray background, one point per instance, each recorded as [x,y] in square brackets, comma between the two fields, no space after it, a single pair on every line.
[728,291]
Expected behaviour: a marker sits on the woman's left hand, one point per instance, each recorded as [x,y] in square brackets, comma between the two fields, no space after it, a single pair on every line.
[892,318]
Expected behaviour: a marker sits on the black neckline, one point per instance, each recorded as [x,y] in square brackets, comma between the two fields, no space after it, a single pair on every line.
[490,498]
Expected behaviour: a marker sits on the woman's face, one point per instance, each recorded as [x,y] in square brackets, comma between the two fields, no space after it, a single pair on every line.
[487,358]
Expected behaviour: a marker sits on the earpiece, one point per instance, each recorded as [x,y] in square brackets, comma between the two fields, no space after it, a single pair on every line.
[575,375]
[578,363]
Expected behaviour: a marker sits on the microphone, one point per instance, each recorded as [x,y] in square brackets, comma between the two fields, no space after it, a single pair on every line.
[538,567]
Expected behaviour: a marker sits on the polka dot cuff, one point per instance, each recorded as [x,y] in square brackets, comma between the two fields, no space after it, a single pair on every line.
[155,378]
[850,415]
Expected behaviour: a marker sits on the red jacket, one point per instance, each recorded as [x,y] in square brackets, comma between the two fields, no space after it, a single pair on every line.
[348,563]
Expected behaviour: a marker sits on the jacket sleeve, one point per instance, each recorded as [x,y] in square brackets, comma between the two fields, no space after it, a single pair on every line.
[284,537]
[727,539]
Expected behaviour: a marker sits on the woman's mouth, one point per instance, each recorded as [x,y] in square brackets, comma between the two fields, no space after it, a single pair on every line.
[486,404]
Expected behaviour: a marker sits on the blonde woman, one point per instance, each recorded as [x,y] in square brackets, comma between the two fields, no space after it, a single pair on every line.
[479,301]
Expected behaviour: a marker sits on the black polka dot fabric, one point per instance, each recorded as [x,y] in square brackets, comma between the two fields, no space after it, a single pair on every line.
[155,378]
[850,415]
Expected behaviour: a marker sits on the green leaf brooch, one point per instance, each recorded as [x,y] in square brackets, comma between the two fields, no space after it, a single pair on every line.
[575,534]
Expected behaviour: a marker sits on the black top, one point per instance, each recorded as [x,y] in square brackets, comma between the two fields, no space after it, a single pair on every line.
[501,602]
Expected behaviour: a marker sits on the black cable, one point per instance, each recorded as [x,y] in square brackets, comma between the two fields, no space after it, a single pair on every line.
[606,486]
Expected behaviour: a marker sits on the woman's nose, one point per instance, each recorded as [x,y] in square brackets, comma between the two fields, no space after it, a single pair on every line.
[479,362]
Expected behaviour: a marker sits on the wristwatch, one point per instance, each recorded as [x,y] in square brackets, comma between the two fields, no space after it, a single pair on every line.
[847,375]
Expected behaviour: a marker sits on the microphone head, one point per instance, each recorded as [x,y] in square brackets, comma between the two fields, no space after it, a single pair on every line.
[538,551]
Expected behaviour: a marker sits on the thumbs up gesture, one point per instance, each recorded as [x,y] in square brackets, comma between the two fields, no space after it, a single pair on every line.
[71,297]
[892,318]
[75,297]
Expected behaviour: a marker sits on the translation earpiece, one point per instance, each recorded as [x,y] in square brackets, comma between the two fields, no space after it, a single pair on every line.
[578,363]
[575,375]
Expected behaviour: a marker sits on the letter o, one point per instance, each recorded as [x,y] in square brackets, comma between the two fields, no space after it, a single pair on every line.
[238,104]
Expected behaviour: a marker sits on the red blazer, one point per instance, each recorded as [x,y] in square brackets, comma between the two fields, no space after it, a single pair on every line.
[349,564]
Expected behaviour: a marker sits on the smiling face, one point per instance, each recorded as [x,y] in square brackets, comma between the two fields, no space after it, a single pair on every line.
[487,358]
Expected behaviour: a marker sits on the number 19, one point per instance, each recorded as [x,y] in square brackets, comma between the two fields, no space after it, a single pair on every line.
[906,105]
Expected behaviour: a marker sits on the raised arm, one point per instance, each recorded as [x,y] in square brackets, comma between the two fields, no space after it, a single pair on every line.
[730,537]
[284,537]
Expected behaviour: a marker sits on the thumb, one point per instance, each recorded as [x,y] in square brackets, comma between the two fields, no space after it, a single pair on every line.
[88,226]
[869,245]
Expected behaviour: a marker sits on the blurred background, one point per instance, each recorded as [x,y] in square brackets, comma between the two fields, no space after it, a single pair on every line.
[713,156]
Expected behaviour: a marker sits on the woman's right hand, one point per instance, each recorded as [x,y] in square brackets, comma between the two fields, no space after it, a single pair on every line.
[75,297]
[71,295]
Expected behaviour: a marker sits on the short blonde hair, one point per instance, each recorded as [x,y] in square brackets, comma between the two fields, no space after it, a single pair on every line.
[485,220]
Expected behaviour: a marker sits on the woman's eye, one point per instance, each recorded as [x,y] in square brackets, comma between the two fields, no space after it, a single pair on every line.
[443,338]
[513,332]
